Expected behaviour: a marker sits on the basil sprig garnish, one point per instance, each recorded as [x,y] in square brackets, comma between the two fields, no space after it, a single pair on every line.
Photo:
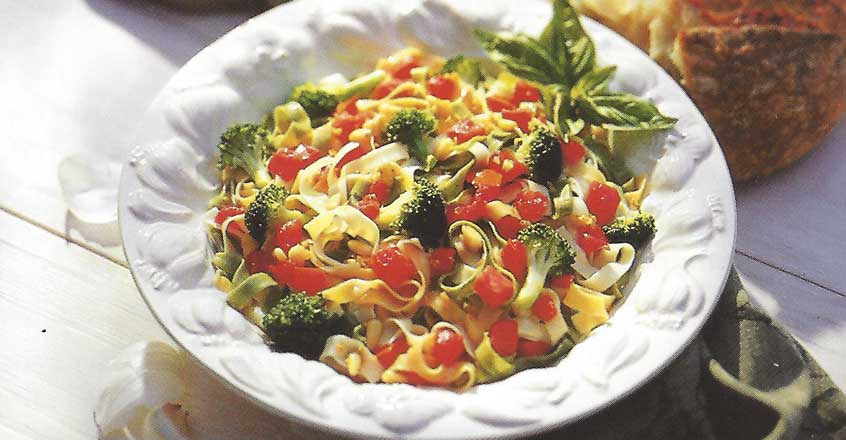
[563,59]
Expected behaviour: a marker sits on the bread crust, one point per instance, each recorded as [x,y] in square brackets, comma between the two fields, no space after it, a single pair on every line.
[770,94]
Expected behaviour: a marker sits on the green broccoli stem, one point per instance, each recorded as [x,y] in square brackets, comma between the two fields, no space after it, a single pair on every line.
[419,150]
[531,289]
[361,86]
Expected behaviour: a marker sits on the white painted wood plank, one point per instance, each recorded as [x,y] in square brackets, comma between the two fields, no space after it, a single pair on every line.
[816,317]
[76,78]
[64,313]
[795,219]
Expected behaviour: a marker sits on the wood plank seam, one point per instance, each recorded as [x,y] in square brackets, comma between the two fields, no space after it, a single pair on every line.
[791,273]
[59,234]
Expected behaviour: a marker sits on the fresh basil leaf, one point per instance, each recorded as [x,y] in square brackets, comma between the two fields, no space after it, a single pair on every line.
[622,110]
[611,166]
[557,104]
[595,82]
[522,56]
[468,69]
[567,42]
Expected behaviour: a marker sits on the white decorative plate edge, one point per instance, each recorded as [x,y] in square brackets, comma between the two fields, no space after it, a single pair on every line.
[169,178]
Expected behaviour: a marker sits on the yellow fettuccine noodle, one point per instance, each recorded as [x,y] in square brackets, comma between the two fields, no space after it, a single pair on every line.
[459,375]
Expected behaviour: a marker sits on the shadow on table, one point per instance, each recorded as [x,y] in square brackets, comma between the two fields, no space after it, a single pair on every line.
[176,34]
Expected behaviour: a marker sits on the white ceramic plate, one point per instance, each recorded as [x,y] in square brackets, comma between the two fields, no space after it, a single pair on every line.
[170,176]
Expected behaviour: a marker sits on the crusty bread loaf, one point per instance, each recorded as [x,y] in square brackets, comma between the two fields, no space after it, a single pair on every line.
[769,75]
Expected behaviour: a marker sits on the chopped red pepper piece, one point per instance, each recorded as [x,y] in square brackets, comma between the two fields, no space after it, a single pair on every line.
[473,211]
[521,116]
[508,226]
[493,287]
[544,308]
[572,152]
[465,130]
[514,258]
[288,162]
[532,205]
[441,261]
[226,212]
[497,104]
[369,205]
[392,266]
[289,235]
[505,162]
[387,354]
[525,92]
[449,346]
[504,337]
[442,87]
[591,238]
[602,201]
[259,260]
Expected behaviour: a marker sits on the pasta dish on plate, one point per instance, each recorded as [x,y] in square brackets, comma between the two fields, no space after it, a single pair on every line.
[438,221]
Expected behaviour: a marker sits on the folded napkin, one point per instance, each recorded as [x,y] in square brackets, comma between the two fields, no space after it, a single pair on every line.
[744,378]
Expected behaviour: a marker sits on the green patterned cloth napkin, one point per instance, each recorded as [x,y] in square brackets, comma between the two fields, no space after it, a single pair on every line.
[744,378]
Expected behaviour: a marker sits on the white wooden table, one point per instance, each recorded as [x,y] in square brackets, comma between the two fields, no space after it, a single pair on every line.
[74,77]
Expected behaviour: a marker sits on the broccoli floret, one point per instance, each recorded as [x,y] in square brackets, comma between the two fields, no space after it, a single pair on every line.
[424,216]
[409,127]
[542,154]
[300,324]
[633,230]
[263,210]
[320,102]
[548,254]
[245,146]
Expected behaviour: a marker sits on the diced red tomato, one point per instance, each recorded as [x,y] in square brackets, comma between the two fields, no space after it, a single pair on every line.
[544,308]
[530,348]
[226,212]
[449,346]
[442,87]
[465,130]
[259,260]
[392,266]
[387,354]
[504,337]
[471,212]
[602,201]
[521,116]
[288,162]
[369,205]
[282,271]
[561,283]
[532,205]
[591,238]
[309,280]
[506,164]
[514,258]
[508,226]
[572,152]
[289,235]
[350,156]
[487,194]
[525,92]
[403,69]
[380,190]
[348,118]
[493,287]
[441,261]
[497,104]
